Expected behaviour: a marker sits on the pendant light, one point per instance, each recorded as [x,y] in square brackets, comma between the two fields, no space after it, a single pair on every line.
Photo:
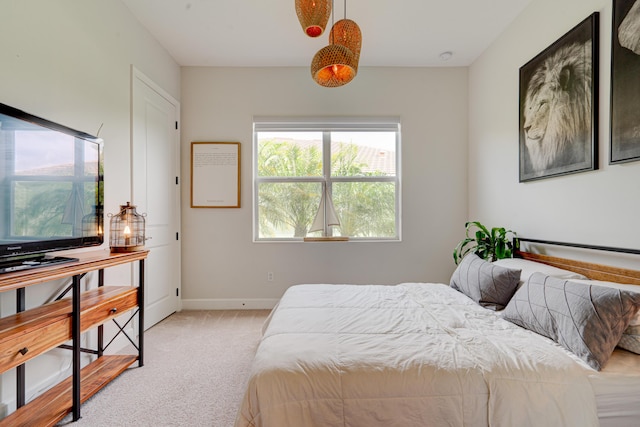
[333,66]
[313,15]
[337,64]
[347,33]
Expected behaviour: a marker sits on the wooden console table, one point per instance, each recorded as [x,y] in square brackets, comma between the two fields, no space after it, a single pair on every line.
[29,333]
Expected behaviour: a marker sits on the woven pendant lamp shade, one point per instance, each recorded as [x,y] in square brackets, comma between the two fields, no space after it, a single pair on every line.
[347,33]
[333,66]
[313,15]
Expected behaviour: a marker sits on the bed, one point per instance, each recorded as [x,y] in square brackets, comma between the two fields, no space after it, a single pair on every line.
[430,354]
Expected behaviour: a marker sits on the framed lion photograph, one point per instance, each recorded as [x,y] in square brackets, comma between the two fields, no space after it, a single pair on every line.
[558,123]
[625,82]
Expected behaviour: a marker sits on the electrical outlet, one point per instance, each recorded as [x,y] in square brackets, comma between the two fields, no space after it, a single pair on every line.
[270,276]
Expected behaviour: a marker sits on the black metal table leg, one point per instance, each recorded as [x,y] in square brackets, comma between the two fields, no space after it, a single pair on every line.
[141,314]
[20,369]
[75,331]
[101,327]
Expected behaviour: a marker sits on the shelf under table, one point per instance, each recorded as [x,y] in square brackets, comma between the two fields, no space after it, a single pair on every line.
[53,405]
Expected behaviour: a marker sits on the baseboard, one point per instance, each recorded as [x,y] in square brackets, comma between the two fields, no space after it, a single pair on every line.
[229,304]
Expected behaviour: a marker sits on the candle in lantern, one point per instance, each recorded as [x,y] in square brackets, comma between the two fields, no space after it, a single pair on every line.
[127,230]
[127,235]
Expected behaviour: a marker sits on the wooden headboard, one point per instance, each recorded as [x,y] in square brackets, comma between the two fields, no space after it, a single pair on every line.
[590,270]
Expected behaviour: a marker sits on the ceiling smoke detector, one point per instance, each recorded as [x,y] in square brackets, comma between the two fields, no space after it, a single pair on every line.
[445,56]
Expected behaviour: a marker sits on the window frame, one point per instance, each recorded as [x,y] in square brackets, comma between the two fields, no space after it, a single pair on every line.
[326,125]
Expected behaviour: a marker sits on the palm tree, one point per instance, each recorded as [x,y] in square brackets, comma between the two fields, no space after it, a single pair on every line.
[365,208]
[291,205]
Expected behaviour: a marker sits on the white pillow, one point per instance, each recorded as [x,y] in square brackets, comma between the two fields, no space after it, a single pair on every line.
[528,267]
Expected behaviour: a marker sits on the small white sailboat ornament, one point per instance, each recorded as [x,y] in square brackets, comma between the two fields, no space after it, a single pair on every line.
[326,215]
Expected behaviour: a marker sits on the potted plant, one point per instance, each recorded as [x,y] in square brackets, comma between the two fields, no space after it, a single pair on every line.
[489,245]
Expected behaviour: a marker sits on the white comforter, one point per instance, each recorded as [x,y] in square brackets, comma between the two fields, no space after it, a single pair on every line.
[407,355]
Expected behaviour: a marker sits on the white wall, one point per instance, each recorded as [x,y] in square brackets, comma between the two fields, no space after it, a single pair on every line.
[69,61]
[598,207]
[222,268]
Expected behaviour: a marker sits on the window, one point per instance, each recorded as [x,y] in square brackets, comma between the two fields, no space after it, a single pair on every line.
[351,164]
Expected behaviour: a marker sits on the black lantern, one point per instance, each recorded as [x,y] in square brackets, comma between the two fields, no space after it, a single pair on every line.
[126,232]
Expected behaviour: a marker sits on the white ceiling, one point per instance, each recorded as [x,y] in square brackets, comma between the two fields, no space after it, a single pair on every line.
[251,33]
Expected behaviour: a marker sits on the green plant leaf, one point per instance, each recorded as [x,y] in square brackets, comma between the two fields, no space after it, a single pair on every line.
[462,249]
[477,225]
[489,245]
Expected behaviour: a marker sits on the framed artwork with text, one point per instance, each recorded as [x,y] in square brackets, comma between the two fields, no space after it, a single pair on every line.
[215,174]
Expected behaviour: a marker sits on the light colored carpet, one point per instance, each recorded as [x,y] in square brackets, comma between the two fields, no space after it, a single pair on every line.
[195,371]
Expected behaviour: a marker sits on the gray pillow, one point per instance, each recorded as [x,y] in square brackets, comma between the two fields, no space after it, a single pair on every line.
[489,285]
[587,320]
[630,339]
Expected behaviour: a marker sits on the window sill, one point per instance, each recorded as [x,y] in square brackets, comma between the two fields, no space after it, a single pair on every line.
[327,239]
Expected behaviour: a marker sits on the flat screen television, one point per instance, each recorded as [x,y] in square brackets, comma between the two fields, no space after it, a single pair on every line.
[51,190]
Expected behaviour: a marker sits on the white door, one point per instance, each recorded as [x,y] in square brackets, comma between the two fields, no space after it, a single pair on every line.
[156,166]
